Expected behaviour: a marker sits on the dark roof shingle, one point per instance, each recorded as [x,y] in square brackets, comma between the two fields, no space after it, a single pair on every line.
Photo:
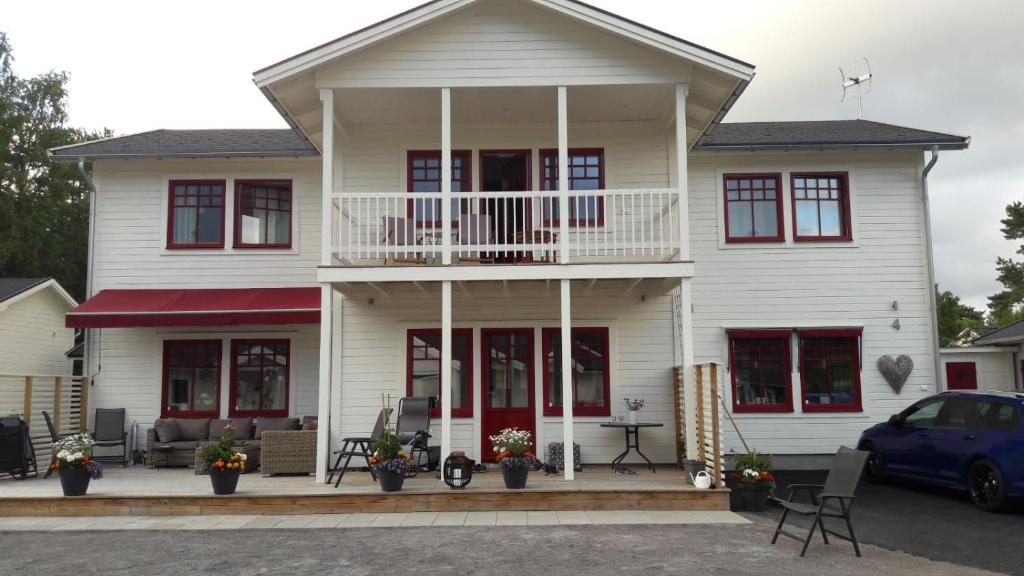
[11,287]
[824,134]
[1009,334]
[192,143]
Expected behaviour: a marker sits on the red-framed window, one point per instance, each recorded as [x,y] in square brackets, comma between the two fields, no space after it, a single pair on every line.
[263,213]
[195,215]
[259,378]
[760,367]
[423,169]
[423,368]
[821,207]
[191,378]
[830,370]
[586,172]
[753,208]
[591,372]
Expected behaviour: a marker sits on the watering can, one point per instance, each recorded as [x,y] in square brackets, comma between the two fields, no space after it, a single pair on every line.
[702,480]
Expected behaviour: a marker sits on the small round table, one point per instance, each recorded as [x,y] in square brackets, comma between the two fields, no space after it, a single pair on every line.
[634,442]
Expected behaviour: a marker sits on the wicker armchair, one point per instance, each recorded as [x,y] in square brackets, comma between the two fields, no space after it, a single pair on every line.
[288,452]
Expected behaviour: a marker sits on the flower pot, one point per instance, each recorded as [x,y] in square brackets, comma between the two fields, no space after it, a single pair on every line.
[515,477]
[74,482]
[631,416]
[390,481]
[753,498]
[224,481]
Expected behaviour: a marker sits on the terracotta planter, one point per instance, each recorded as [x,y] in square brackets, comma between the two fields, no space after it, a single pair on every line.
[74,482]
[224,481]
[515,478]
[752,498]
[390,481]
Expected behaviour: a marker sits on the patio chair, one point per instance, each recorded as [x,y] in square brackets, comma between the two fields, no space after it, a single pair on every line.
[17,455]
[839,488]
[412,429]
[401,233]
[360,447]
[474,233]
[54,436]
[109,431]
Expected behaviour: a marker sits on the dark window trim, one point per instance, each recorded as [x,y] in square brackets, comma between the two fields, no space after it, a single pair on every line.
[855,334]
[464,412]
[575,222]
[165,412]
[233,393]
[171,244]
[238,214]
[466,181]
[780,236]
[605,410]
[755,335]
[845,219]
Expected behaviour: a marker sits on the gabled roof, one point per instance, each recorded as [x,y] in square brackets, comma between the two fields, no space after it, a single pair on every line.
[824,134]
[14,289]
[190,144]
[1010,334]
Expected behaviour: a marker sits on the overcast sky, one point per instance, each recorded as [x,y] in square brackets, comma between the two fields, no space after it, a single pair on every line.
[950,66]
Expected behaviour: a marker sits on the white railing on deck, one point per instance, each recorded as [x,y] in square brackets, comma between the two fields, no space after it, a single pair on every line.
[505,227]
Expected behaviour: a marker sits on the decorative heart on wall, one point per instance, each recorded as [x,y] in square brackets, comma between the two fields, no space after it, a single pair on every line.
[896,370]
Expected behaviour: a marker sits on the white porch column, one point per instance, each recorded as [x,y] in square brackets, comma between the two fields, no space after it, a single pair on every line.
[323,435]
[446,369]
[446,177]
[563,176]
[686,298]
[567,398]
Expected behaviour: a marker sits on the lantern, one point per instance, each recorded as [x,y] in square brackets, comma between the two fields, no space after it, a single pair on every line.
[458,470]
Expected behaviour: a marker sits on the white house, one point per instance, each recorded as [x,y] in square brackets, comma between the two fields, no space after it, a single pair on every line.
[414,222]
[33,337]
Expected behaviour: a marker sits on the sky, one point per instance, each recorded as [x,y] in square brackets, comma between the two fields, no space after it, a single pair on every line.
[946,65]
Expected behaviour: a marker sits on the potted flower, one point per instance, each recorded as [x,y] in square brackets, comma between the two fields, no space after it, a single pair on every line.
[633,407]
[223,464]
[754,479]
[389,462]
[512,447]
[75,465]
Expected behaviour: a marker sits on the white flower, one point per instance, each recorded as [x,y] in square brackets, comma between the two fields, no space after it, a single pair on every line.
[242,456]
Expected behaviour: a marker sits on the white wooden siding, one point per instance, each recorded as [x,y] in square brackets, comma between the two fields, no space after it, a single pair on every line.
[503,43]
[33,339]
[994,368]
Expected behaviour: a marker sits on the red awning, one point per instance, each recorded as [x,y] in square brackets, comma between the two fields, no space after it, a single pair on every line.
[198,307]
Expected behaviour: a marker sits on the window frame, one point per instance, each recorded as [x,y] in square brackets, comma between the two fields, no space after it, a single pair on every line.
[435,412]
[237,217]
[845,217]
[233,383]
[171,184]
[466,181]
[546,334]
[780,235]
[595,221]
[165,411]
[785,335]
[856,335]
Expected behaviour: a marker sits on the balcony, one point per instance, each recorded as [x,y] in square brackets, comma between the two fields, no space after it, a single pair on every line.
[408,229]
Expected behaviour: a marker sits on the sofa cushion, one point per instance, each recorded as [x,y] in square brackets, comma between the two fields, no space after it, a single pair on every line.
[167,430]
[182,444]
[194,428]
[250,442]
[309,422]
[264,424]
[242,426]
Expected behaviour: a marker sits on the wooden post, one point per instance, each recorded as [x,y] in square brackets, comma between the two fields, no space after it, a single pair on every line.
[698,382]
[56,404]
[27,409]
[677,386]
[83,406]
[715,440]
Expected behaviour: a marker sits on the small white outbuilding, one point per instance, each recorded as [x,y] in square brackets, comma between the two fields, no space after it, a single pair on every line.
[33,337]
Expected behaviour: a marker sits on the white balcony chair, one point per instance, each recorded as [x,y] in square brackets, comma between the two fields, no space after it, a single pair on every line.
[474,233]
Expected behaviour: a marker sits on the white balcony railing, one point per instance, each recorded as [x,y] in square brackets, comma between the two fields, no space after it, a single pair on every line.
[505,227]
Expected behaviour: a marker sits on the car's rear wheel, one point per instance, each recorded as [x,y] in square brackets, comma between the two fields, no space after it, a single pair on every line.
[985,486]
[873,467]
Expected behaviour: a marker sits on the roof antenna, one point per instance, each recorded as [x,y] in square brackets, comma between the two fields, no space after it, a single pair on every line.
[859,78]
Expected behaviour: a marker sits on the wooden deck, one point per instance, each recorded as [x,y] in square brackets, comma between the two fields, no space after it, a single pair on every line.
[140,491]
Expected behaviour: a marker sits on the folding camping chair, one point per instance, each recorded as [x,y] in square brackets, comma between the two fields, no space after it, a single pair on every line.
[413,431]
[17,455]
[360,447]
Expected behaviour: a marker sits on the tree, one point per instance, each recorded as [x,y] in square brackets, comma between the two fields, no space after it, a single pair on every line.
[953,317]
[1008,306]
[44,207]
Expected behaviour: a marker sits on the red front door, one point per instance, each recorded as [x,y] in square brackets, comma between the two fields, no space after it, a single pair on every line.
[961,376]
[507,382]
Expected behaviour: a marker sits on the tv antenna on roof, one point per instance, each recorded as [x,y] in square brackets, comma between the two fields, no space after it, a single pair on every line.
[859,78]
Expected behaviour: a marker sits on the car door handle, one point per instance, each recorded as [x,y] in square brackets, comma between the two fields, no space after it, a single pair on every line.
[969,437]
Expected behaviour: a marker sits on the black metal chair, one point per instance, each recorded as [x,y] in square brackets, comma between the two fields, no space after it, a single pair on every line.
[109,431]
[360,447]
[839,488]
[17,455]
[412,429]
[54,436]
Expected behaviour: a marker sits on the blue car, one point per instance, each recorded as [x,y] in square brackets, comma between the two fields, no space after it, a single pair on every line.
[969,441]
